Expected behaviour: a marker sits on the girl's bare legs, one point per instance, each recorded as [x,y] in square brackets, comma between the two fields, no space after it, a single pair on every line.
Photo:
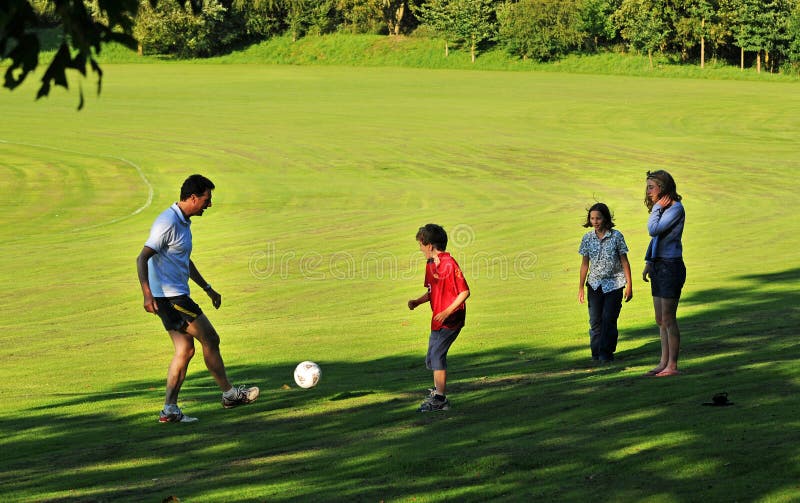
[670,334]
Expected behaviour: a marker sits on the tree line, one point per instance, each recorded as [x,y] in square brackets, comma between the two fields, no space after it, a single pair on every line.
[765,33]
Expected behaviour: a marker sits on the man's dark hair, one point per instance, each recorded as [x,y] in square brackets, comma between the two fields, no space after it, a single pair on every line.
[432,234]
[195,185]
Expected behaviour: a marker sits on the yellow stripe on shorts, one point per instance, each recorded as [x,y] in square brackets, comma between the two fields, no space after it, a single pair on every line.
[184,310]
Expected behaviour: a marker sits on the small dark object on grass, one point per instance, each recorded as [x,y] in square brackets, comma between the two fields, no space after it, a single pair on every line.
[719,400]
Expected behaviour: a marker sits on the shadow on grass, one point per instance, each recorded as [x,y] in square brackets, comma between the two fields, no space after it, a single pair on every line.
[527,424]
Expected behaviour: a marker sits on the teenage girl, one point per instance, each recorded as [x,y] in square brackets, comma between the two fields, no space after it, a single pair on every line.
[605,270]
[664,265]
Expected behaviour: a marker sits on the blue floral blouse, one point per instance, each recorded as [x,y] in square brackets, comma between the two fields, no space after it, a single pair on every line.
[605,266]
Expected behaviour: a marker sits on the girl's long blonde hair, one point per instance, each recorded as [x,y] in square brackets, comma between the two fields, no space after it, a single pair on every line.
[665,183]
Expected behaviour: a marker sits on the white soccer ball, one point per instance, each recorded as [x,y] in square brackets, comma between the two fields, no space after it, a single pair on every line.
[307,374]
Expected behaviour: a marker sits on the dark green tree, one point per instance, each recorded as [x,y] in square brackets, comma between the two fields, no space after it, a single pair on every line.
[596,20]
[85,28]
[759,26]
[473,22]
[298,16]
[362,16]
[706,12]
[540,29]
[398,15]
[169,28]
[777,17]
[793,35]
[259,19]
[746,32]
[438,15]
[642,23]
[692,21]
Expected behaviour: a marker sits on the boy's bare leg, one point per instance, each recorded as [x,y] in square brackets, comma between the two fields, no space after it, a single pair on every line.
[440,381]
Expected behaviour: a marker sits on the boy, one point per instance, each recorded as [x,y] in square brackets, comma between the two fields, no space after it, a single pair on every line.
[447,292]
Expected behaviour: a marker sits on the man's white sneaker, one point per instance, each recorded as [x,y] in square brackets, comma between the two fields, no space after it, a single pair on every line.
[239,395]
[174,415]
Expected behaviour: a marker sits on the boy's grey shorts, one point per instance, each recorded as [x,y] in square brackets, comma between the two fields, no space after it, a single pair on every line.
[438,345]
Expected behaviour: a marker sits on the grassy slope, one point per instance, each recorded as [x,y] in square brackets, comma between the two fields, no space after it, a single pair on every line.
[323,176]
[424,52]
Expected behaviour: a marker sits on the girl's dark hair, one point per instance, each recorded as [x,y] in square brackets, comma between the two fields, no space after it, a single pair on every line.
[195,185]
[665,183]
[608,218]
[432,234]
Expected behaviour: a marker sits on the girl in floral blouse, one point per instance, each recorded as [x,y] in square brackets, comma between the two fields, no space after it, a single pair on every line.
[606,271]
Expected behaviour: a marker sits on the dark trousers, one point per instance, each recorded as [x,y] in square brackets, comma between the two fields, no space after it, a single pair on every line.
[604,310]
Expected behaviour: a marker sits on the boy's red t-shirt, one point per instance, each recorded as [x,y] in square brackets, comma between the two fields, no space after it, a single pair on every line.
[444,282]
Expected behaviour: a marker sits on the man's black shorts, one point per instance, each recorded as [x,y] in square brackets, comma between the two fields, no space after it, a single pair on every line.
[177,312]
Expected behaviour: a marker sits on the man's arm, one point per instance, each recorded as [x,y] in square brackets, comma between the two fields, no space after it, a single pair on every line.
[144,279]
[194,274]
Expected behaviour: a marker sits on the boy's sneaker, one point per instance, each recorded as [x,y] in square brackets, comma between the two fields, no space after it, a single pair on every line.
[239,395]
[172,414]
[432,404]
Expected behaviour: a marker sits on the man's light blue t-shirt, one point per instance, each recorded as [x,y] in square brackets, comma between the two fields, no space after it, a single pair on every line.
[171,239]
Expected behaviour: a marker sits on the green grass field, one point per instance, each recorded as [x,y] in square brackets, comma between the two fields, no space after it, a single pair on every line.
[323,176]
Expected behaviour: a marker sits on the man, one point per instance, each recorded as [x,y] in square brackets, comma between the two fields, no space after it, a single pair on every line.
[164,268]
